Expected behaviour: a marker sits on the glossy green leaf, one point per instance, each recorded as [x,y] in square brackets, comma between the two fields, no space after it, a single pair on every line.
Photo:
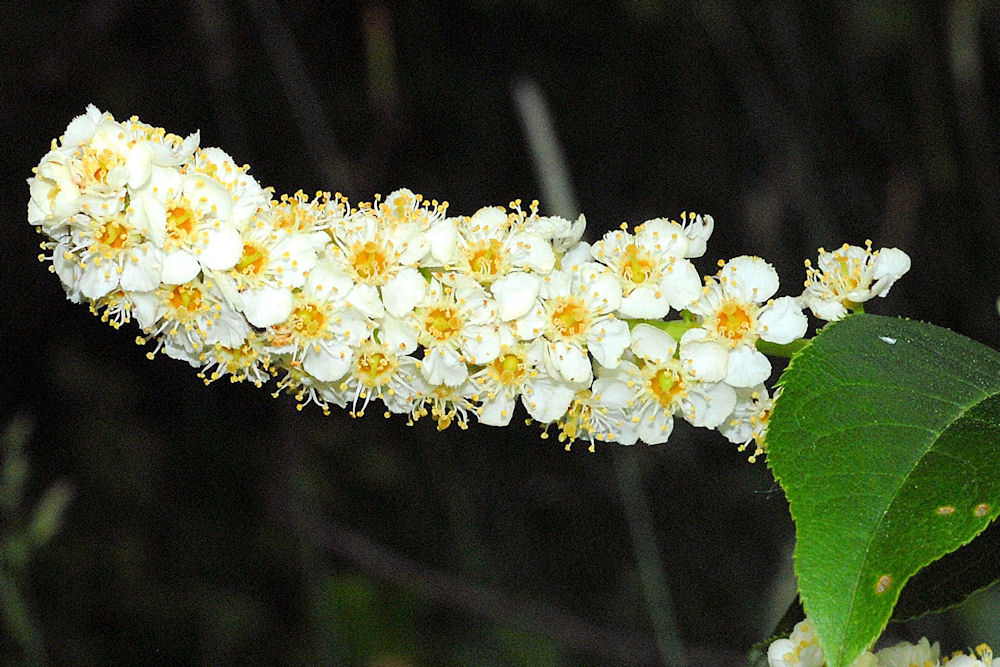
[886,441]
[947,582]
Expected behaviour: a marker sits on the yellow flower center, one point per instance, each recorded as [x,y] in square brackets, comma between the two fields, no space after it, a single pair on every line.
[637,267]
[370,262]
[308,320]
[374,368]
[570,317]
[486,259]
[113,235]
[734,321]
[508,369]
[667,386]
[185,297]
[442,323]
[180,222]
[253,260]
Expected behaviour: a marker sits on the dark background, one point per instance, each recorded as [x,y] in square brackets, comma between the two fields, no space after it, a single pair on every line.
[215,525]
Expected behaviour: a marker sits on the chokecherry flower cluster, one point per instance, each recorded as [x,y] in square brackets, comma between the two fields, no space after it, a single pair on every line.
[394,300]
[802,649]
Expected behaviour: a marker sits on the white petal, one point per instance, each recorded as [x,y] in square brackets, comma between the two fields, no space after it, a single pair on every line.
[141,270]
[707,360]
[481,344]
[497,411]
[223,250]
[578,254]
[329,363]
[651,344]
[681,284]
[443,239]
[645,301]
[402,292]
[888,266]
[711,406]
[571,362]
[547,400]
[442,366]
[531,251]
[99,279]
[398,335]
[515,294]
[267,306]
[365,299]
[750,278]
[607,340]
[747,367]
[655,429]
[782,321]
[179,267]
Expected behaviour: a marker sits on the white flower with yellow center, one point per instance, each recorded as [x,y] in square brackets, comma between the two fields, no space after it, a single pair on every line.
[749,419]
[601,413]
[455,323]
[274,262]
[492,248]
[850,276]
[655,276]
[905,654]
[381,259]
[801,649]
[379,372]
[665,385]
[188,318]
[518,371]
[735,310]
[191,217]
[575,314]
[323,330]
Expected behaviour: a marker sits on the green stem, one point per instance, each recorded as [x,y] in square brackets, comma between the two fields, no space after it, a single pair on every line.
[787,351]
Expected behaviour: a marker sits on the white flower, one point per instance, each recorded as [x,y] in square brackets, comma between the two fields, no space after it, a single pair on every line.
[576,315]
[190,216]
[849,276]
[383,258]
[601,413]
[749,419]
[378,371]
[502,256]
[666,385]
[111,254]
[801,649]
[456,324]
[905,654]
[655,276]
[322,331]
[275,261]
[188,318]
[735,311]
[518,371]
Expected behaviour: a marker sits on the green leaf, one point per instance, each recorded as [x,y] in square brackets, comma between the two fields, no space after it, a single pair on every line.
[947,582]
[886,440]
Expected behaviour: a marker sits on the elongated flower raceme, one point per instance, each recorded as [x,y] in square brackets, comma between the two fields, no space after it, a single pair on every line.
[396,301]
